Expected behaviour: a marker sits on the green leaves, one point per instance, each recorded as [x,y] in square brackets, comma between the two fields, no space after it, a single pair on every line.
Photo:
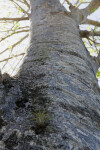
[93,10]
[82,1]
[41,117]
[20,10]
[98,74]
[16,25]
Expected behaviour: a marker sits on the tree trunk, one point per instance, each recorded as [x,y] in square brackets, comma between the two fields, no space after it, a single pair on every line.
[57,75]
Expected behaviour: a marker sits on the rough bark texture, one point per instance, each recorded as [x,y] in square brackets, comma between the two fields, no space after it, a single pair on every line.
[57,75]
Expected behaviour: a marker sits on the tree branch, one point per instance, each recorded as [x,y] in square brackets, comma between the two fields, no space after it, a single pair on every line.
[12,57]
[19,28]
[92,22]
[13,34]
[86,34]
[94,4]
[70,4]
[27,4]
[15,43]
[20,7]
[77,2]
[15,19]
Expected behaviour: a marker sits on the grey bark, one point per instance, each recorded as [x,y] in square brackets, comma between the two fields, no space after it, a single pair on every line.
[57,75]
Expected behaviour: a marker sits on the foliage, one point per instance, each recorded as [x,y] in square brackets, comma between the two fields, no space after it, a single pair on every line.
[41,118]
[98,74]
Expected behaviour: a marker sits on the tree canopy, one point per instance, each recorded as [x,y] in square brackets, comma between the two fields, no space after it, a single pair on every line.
[14,29]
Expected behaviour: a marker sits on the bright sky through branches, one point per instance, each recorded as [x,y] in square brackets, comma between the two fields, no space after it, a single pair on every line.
[9,10]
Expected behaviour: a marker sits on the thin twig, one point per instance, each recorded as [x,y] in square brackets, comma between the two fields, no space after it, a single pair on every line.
[15,43]
[27,4]
[20,7]
[15,19]
[12,57]
[13,34]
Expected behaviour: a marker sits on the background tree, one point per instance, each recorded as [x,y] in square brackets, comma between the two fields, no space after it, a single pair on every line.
[57,80]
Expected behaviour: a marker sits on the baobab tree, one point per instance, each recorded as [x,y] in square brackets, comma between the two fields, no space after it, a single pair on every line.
[54,100]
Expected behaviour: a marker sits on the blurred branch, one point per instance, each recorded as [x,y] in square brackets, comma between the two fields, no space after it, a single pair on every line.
[92,7]
[92,22]
[86,34]
[15,19]
[93,41]
[77,2]
[15,43]
[27,4]
[19,28]
[12,57]
[24,2]
[69,3]
[82,3]
[20,7]
[13,34]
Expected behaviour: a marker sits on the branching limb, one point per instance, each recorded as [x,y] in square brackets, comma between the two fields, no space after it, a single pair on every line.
[93,41]
[20,7]
[27,4]
[86,34]
[77,2]
[82,3]
[12,57]
[94,5]
[24,2]
[92,22]
[70,4]
[15,19]
[15,43]
[20,28]
[15,32]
